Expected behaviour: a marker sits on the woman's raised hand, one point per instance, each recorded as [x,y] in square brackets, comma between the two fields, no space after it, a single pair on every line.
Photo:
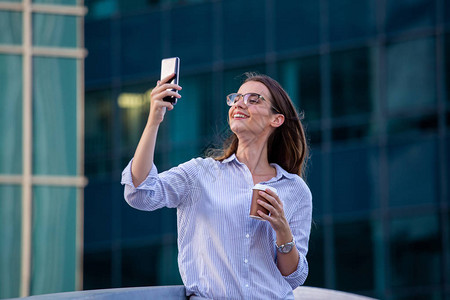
[158,106]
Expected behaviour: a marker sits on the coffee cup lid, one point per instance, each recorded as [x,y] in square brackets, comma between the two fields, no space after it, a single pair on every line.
[262,187]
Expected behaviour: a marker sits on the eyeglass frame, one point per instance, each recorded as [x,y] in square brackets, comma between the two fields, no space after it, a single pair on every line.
[245,97]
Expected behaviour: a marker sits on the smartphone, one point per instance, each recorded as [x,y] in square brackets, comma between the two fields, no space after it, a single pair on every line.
[170,66]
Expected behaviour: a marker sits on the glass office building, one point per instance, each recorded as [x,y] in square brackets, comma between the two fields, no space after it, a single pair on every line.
[372,78]
[41,152]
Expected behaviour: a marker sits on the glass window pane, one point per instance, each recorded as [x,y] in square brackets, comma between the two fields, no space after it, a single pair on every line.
[54,240]
[134,103]
[193,43]
[187,120]
[55,30]
[296,24]
[54,116]
[59,2]
[411,85]
[413,173]
[233,78]
[11,114]
[415,251]
[354,189]
[409,14]
[98,132]
[97,269]
[10,235]
[350,19]
[351,82]
[98,43]
[98,205]
[141,49]
[354,265]
[10,27]
[301,79]
[447,65]
[238,43]
[98,9]
[315,257]
[314,180]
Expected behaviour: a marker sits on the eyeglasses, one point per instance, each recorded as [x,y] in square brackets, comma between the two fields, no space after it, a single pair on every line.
[249,99]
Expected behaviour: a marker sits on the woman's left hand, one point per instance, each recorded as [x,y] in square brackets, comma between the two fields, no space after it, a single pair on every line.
[276,216]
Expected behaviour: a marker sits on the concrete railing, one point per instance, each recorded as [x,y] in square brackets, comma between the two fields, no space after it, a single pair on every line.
[177,292]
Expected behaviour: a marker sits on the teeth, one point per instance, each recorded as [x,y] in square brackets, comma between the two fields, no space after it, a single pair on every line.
[239,116]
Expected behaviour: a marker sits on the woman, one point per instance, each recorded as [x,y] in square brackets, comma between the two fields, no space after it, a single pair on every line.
[223,253]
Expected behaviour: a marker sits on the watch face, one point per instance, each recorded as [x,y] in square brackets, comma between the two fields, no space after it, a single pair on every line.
[287,248]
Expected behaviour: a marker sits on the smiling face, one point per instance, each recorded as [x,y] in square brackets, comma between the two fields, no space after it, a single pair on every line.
[255,120]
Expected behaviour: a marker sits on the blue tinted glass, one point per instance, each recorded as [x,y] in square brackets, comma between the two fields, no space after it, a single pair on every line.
[239,43]
[415,239]
[193,43]
[316,256]
[350,19]
[296,24]
[409,14]
[98,9]
[98,67]
[54,240]
[314,179]
[54,116]
[447,11]
[447,65]
[98,132]
[55,30]
[233,78]
[354,175]
[98,206]
[301,79]
[413,173]
[354,265]
[351,82]
[411,85]
[97,268]
[59,2]
[134,103]
[10,235]
[188,118]
[10,27]
[141,45]
[10,114]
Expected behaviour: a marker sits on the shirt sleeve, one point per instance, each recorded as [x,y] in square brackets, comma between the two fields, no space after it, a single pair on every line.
[301,227]
[167,189]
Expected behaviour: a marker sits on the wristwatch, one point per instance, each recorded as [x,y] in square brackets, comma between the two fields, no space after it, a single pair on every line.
[285,248]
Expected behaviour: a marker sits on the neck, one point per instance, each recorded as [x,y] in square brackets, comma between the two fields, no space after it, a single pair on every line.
[253,153]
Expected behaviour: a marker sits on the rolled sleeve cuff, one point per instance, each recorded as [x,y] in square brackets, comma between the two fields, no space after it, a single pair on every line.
[127,179]
[298,277]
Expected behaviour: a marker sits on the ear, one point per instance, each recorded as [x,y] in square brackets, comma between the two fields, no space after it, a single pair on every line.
[277,121]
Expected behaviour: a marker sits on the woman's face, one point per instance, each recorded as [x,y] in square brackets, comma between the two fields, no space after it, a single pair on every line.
[252,119]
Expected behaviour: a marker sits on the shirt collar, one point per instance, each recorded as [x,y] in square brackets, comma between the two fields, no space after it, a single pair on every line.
[280,171]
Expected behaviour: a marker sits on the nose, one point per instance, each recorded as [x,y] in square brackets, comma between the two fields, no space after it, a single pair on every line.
[240,103]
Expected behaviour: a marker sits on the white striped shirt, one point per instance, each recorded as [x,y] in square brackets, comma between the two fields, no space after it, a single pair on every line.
[222,252]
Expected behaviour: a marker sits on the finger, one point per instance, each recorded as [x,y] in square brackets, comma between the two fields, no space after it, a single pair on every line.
[167,86]
[167,78]
[265,216]
[270,198]
[267,206]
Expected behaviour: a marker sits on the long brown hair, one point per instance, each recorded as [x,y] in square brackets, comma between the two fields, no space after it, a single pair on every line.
[287,144]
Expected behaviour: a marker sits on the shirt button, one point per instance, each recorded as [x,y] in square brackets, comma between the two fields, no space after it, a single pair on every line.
[246,285]
[245,260]
[247,235]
